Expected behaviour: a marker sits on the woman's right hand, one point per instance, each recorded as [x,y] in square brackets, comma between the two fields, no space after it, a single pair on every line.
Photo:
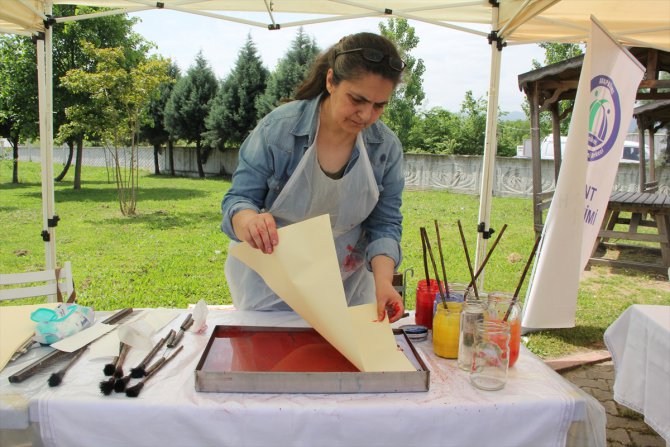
[258,230]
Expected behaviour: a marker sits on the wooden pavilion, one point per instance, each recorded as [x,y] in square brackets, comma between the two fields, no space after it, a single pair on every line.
[546,87]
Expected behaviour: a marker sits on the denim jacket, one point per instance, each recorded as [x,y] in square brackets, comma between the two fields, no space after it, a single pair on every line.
[271,153]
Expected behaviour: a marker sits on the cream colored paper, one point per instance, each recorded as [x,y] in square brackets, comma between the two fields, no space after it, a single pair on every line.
[16,328]
[303,270]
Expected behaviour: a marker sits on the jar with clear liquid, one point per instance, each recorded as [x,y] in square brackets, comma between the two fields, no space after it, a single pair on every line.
[472,313]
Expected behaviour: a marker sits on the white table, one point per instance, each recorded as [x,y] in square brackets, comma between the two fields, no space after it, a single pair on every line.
[536,408]
[639,341]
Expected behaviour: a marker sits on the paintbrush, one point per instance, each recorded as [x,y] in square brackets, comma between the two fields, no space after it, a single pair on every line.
[109,368]
[488,255]
[118,370]
[467,258]
[139,370]
[107,386]
[135,390]
[186,324]
[425,257]
[120,384]
[56,378]
[41,364]
[432,259]
[523,276]
[444,271]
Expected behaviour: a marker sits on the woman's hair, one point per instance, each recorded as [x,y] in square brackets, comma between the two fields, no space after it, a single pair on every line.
[352,64]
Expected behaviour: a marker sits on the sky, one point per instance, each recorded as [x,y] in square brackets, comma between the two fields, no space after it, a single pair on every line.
[455,61]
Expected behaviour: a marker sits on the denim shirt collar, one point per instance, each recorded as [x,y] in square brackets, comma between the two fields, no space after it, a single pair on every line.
[308,123]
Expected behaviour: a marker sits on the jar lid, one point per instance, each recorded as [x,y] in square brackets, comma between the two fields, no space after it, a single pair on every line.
[415,332]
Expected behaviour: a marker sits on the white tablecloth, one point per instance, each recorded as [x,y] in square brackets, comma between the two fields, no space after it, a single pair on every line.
[536,408]
[639,341]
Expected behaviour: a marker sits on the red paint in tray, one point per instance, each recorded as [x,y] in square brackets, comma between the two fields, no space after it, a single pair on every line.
[245,348]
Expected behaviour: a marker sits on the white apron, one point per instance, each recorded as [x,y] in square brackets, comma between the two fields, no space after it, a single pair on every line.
[310,193]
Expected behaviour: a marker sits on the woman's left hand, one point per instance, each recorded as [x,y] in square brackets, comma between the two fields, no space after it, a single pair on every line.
[389,302]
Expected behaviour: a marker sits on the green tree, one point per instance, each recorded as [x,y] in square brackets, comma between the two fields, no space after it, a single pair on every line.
[434,132]
[233,114]
[401,110]
[154,130]
[289,73]
[189,105]
[114,31]
[553,54]
[117,102]
[472,126]
[18,94]
[510,135]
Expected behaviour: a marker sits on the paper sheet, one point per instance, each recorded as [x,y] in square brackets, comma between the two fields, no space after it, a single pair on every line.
[303,270]
[16,328]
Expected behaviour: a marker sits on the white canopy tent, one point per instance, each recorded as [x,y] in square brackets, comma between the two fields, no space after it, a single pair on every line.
[637,23]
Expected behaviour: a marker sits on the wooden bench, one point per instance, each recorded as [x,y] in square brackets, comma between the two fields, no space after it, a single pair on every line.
[636,210]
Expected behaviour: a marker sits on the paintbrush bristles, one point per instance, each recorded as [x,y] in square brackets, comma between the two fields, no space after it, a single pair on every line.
[107,386]
[56,378]
[120,384]
[109,368]
[134,390]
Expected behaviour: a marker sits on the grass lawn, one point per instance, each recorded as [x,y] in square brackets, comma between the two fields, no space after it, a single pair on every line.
[172,252]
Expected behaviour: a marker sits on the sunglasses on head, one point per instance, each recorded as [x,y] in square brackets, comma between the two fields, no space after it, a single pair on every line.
[373,55]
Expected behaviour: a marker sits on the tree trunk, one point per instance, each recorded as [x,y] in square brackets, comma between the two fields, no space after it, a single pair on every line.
[77,164]
[15,159]
[171,155]
[157,150]
[66,168]
[201,171]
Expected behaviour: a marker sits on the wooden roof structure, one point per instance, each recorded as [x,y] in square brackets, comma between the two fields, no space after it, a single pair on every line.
[547,86]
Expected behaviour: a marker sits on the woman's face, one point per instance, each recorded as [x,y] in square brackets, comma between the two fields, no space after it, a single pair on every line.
[358,103]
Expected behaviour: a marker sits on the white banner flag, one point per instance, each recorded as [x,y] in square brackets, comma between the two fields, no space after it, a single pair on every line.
[601,115]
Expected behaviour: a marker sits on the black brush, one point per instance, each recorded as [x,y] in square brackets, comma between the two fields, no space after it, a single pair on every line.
[140,370]
[107,386]
[109,368]
[135,390]
[118,370]
[56,378]
[120,384]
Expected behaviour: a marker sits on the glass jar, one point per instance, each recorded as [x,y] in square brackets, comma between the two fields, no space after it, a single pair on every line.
[490,359]
[425,295]
[473,313]
[498,305]
[446,329]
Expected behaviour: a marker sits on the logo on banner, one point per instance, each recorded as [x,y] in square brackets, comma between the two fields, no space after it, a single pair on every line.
[604,117]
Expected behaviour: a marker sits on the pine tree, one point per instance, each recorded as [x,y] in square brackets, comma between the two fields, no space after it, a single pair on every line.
[233,112]
[290,71]
[189,105]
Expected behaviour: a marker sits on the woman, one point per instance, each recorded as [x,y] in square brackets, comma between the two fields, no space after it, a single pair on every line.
[326,152]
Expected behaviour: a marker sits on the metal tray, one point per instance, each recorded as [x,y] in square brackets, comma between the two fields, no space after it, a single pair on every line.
[258,359]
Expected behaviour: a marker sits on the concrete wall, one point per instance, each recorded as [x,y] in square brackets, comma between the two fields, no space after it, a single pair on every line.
[457,173]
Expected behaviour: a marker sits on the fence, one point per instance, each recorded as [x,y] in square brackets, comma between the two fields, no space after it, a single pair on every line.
[457,173]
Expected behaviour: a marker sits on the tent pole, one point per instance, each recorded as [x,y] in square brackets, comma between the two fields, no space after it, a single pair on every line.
[490,147]
[45,86]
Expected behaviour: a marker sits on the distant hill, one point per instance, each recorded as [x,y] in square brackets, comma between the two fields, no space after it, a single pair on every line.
[513,116]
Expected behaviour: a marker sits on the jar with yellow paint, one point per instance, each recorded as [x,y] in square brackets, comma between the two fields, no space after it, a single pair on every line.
[446,329]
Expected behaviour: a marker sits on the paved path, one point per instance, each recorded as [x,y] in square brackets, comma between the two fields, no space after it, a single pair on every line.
[593,372]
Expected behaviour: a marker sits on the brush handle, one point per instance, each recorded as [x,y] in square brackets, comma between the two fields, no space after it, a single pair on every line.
[160,363]
[488,255]
[152,353]
[467,258]
[41,364]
